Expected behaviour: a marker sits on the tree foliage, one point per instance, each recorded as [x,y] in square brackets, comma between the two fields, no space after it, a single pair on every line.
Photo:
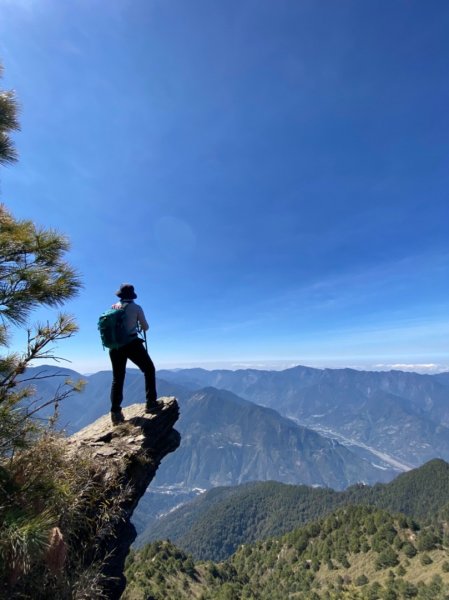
[296,565]
[8,123]
[33,273]
[219,521]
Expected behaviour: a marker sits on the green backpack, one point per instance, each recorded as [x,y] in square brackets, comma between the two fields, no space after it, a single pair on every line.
[112,328]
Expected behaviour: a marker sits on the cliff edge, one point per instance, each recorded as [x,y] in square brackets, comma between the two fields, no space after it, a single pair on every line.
[128,457]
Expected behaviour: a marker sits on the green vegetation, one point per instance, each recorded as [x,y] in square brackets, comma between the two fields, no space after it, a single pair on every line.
[8,124]
[213,526]
[50,522]
[354,553]
[421,493]
[217,523]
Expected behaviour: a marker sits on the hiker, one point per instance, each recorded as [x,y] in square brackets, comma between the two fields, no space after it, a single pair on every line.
[134,321]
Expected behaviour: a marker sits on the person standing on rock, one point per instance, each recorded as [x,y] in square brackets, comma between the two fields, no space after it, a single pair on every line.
[134,321]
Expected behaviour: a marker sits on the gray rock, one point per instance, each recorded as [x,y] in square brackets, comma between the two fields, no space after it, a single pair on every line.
[129,453]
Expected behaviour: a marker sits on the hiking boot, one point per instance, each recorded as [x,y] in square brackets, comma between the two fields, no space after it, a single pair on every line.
[153,407]
[117,417]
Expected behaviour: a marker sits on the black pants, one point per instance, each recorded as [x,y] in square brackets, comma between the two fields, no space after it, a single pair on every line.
[137,353]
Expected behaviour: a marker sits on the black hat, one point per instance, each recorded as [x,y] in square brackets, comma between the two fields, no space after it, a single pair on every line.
[126,292]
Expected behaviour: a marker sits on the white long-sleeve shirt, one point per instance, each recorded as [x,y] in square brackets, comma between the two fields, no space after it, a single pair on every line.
[134,316]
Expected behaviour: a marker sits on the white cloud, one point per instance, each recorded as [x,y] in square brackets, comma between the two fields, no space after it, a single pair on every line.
[417,367]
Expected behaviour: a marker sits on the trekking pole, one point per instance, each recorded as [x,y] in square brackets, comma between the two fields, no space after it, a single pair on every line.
[145,340]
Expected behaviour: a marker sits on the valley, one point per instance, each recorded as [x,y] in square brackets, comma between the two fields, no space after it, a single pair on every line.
[325,428]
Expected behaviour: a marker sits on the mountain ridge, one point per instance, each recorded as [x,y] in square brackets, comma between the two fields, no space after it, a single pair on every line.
[216,523]
[414,427]
[243,441]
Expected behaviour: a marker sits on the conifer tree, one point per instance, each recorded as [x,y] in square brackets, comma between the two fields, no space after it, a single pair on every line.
[33,273]
[8,123]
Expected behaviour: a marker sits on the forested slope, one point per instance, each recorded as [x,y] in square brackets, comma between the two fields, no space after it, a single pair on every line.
[356,552]
[214,525]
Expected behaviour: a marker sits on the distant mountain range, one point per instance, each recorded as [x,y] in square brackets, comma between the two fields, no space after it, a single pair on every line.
[227,440]
[326,427]
[400,417]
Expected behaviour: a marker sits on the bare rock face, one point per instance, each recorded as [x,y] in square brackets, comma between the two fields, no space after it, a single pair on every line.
[128,457]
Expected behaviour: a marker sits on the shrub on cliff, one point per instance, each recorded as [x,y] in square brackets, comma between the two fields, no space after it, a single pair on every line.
[56,505]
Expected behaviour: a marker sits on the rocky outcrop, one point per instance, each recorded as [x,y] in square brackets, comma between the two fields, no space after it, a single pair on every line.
[128,456]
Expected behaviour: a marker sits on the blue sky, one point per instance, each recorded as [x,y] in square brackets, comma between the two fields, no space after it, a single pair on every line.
[272,176]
